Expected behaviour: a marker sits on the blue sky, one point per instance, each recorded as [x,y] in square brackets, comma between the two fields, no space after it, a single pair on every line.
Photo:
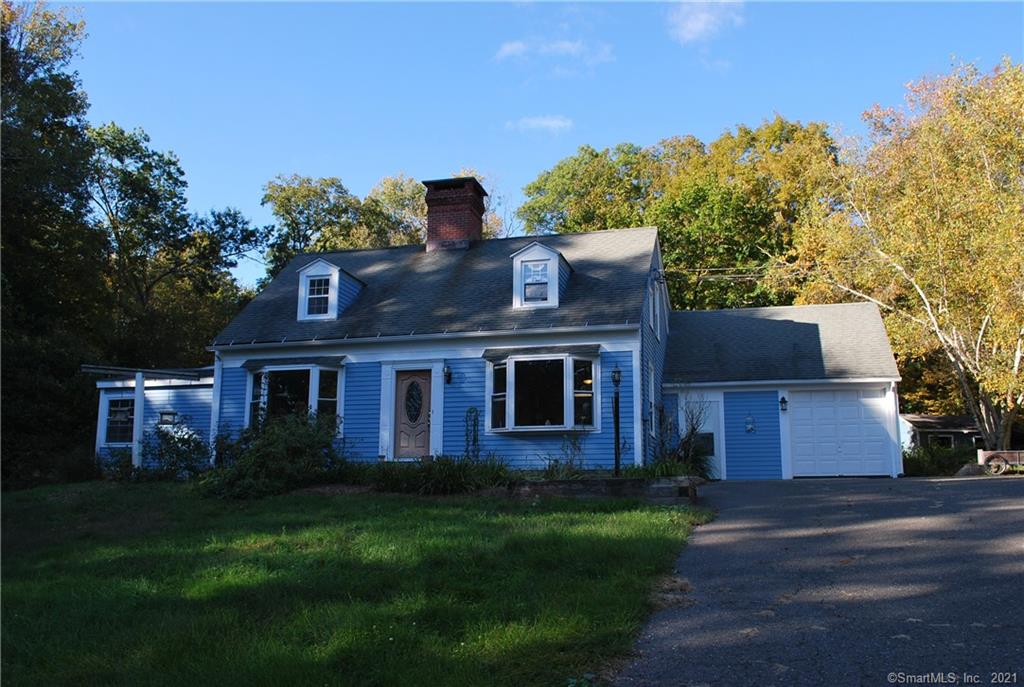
[245,91]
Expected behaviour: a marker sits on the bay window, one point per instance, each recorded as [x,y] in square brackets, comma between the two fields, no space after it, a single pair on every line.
[542,393]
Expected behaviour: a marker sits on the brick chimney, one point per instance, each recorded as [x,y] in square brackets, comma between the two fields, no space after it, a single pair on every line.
[455,209]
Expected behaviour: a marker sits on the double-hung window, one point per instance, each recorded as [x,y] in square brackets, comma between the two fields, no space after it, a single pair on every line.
[327,394]
[318,294]
[535,281]
[543,393]
[120,421]
[499,394]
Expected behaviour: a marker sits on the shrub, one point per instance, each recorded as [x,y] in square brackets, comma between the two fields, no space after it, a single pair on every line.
[440,475]
[278,455]
[934,461]
[174,452]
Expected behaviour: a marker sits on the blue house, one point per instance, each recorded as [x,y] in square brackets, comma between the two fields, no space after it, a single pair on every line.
[519,347]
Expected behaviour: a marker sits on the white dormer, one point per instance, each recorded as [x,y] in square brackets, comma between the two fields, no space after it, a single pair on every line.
[539,276]
[325,290]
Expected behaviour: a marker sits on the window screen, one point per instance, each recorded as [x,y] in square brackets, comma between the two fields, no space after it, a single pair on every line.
[120,420]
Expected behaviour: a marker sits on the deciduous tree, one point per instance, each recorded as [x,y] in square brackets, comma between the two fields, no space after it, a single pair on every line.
[926,220]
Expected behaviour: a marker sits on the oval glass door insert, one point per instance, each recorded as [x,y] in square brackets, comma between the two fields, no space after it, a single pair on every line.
[413,401]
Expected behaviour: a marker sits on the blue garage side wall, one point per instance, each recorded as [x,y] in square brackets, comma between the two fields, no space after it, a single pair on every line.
[534,450]
[757,454]
[362,411]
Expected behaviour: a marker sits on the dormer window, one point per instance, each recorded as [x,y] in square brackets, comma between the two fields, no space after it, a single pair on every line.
[535,281]
[539,276]
[318,294]
[325,290]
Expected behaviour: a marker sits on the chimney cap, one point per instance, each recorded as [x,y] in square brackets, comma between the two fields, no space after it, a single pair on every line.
[454,182]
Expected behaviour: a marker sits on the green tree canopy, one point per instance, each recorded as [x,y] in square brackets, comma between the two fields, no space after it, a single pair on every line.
[723,210]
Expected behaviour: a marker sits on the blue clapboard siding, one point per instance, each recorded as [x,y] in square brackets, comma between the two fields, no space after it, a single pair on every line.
[192,404]
[348,291]
[533,450]
[757,454]
[652,350]
[233,384]
[362,411]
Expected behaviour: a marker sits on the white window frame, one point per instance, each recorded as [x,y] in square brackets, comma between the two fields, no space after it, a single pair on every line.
[318,269]
[535,253]
[105,416]
[313,397]
[568,407]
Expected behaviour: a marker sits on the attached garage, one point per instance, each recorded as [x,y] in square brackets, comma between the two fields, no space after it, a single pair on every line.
[801,391]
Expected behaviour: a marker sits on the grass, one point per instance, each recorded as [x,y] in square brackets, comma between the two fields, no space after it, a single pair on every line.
[129,584]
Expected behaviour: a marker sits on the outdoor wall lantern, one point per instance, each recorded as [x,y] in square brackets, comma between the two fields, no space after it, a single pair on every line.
[616,376]
[749,424]
[447,372]
[783,404]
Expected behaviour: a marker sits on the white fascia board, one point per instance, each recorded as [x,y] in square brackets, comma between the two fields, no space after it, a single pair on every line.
[154,383]
[780,382]
[593,330]
[383,350]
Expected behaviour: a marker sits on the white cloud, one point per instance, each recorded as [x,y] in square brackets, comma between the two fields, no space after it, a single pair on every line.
[511,49]
[550,123]
[689,22]
[579,50]
[570,48]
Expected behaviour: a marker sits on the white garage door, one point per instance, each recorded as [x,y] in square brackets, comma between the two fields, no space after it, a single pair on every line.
[840,432]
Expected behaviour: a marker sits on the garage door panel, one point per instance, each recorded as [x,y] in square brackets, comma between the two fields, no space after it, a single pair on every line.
[847,436]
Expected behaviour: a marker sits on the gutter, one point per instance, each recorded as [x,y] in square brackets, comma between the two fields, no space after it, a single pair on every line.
[423,337]
[781,382]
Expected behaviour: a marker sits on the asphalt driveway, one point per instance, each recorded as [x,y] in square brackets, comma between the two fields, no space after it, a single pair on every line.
[842,582]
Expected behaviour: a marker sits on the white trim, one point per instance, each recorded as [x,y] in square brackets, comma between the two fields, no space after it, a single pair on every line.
[388,379]
[547,333]
[778,382]
[897,447]
[318,269]
[341,402]
[568,395]
[785,434]
[153,383]
[639,455]
[138,412]
[218,374]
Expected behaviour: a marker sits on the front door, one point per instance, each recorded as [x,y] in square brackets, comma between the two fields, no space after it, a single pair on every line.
[412,413]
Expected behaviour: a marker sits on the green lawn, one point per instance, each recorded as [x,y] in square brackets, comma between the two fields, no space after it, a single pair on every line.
[149,584]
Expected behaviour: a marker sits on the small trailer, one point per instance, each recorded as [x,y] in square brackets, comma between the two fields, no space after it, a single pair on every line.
[997,462]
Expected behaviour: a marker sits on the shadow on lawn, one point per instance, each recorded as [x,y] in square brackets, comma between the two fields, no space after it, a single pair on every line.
[370,589]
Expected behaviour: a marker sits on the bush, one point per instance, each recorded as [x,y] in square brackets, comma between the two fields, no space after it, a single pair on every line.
[934,461]
[174,452]
[440,475]
[278,455]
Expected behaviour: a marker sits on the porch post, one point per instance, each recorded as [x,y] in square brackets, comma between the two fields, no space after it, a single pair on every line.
[140,408]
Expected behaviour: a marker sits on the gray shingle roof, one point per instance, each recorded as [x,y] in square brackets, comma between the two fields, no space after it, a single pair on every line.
[410,291]
[842,341]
